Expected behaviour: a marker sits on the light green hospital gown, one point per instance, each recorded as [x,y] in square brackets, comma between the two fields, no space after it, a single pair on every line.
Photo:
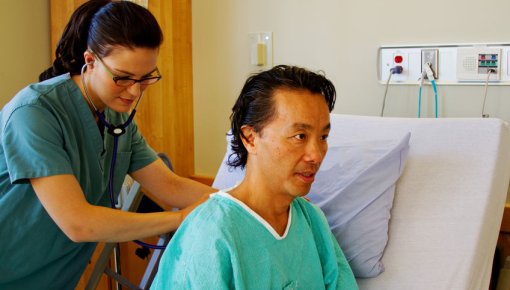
[225,245]
[48,129]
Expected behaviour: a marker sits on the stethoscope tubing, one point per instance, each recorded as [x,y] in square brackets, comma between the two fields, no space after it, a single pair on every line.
[116,132]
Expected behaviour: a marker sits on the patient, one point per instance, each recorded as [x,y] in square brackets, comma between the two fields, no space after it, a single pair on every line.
[262,234]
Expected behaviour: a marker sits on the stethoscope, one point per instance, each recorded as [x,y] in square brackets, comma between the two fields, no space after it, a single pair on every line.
[116,131]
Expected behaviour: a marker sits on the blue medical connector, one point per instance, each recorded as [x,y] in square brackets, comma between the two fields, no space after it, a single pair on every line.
[396,70]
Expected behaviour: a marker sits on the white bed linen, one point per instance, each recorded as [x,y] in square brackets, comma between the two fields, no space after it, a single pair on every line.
[448,203]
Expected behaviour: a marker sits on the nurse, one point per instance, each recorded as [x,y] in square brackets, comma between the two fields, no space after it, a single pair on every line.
[56,151]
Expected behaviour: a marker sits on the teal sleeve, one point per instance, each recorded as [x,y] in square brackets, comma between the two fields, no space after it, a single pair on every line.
[197,257]
[33,144]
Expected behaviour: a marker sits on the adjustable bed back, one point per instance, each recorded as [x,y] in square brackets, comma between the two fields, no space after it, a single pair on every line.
[448,202]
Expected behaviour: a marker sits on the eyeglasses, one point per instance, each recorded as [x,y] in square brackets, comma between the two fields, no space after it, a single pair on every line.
[152,78]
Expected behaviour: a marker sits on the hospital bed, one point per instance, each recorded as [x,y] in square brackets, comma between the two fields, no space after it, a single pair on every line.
[448,200]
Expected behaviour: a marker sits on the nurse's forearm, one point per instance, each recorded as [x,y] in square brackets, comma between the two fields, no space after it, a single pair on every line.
[103,224]
[62,198]
[110,225]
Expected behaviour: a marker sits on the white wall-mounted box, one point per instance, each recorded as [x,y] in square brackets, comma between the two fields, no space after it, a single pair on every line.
[261,49]
[458,64]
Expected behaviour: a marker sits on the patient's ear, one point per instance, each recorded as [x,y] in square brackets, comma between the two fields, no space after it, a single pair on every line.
[248,138]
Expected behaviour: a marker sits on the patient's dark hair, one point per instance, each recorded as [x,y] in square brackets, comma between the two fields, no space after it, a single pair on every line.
[101,25]
[255,106]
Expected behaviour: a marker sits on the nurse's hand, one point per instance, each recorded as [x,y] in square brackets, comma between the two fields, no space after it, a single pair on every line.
[185,211]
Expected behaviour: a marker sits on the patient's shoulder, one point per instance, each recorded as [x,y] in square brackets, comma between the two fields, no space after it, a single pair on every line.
[213,209]
[215,214]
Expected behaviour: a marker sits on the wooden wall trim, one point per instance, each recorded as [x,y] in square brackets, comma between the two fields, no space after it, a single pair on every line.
[60,11]
[203,179]
[165,115]
[505,222]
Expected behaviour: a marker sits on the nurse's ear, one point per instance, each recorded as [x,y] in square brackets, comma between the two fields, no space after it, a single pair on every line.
[89,59]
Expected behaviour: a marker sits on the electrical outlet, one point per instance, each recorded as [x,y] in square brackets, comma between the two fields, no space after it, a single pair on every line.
[430,56]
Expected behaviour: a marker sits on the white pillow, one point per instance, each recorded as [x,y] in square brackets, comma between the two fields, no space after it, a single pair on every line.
[355,187]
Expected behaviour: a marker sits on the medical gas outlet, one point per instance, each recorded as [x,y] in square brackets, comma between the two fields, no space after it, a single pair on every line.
[397,64]
[429,61]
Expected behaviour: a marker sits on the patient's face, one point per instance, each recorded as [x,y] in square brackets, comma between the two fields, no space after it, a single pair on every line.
[290,148]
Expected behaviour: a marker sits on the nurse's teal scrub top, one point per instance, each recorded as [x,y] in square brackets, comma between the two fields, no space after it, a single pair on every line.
[49,129]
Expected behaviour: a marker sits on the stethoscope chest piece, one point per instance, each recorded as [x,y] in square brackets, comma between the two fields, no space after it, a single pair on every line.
[116,131]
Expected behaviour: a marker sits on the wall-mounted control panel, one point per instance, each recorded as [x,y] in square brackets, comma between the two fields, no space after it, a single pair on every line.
[478,64]
[452,64]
